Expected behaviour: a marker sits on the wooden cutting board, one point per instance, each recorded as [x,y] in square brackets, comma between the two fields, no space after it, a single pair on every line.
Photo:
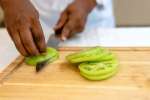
[62,81]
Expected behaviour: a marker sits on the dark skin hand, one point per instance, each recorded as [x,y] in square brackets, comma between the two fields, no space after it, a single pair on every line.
[22,22]
[73,18]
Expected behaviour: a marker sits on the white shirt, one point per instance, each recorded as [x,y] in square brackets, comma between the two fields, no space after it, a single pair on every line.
[50,10]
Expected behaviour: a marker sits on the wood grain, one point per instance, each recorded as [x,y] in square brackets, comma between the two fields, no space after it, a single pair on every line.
[15,64]
[61,80]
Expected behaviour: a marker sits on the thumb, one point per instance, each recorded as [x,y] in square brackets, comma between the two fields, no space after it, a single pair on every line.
[68,29]
[65,33]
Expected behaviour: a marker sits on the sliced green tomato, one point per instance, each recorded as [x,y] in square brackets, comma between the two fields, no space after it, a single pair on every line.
[85,52]
[97,68]
[99,77]
[107,57]
[92,54]
[113,61]
[51,54]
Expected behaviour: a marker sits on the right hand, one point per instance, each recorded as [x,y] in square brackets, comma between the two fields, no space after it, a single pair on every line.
[22,23]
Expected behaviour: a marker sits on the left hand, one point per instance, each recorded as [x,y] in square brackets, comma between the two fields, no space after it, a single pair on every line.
[73,18]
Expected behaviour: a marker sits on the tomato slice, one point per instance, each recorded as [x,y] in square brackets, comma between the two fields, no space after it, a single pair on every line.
[95,63]
[99,77]
[51,54]
[98,68]
[107,56]
[92,54]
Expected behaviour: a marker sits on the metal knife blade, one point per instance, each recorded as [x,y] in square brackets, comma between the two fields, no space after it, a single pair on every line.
[52,42]
[41,65]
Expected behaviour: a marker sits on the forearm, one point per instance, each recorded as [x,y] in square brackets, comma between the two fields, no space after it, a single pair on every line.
[88,4]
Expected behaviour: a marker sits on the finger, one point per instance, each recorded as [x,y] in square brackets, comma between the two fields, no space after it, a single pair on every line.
[58,33]
[68,29]
[27,40]
[65,34]
[38,36]
[17,41]
[61,22]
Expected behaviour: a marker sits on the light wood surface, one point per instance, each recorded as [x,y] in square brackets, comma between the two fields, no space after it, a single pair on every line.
[62,81]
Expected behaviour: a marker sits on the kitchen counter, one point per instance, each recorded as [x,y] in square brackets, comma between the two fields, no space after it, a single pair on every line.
[119,37]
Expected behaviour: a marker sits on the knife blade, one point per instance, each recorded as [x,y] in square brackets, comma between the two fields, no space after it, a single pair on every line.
[40,65]
[52,42]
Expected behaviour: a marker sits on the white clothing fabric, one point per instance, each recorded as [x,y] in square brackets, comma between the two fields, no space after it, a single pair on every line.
[50,10]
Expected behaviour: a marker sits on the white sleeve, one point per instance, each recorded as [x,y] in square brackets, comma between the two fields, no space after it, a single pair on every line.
[99,1]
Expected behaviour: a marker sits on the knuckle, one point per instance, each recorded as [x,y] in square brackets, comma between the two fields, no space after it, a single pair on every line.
[35,16]
[38,37]
[62,13]
[34,53]
[81,25]
[24,54]
[27,42]
[71,8]
[80,28]
[20,19]
[42,47]
[35,21]
[36,13]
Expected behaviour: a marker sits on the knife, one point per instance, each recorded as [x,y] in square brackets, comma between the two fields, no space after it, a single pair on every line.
[40,65]
[52,42]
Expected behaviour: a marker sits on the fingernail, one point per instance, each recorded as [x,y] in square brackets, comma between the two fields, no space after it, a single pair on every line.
[63,38]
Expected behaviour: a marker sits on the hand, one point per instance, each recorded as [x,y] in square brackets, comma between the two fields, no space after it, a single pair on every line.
[73,18]
[22,23]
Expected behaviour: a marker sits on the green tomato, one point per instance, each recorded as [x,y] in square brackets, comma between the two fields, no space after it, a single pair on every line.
[95,63]
[99,77]
[107,57]
[97,68]
[92,54]
[51,54]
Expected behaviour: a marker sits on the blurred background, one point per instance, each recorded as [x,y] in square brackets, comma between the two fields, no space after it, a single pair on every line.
[132,12]
[128,13]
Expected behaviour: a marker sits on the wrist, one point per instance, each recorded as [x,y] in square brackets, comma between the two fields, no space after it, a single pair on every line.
[88,5]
